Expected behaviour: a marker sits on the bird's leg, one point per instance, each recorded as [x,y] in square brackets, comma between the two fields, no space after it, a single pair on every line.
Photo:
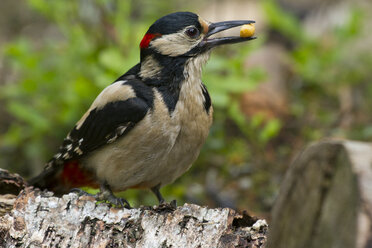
[156,191]
[106,194]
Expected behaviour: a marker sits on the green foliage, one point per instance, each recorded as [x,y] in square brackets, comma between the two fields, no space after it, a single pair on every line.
[330,89]
[323,68]
[58,77]
[282,21]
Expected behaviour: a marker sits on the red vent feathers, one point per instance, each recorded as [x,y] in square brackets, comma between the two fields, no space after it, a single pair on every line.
[147,39]
[73,176]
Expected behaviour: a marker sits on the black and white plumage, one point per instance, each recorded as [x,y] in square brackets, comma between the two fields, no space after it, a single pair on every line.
[146,128]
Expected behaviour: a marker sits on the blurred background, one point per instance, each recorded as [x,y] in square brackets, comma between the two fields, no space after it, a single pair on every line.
[307,77]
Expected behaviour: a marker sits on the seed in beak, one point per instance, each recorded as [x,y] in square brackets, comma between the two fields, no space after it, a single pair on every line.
[247,30]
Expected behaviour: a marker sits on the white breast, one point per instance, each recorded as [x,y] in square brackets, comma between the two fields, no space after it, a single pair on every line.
[195,122]
[161,147]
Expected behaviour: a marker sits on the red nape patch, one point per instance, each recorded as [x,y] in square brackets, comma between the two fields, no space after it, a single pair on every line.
[73,176]
[147,39]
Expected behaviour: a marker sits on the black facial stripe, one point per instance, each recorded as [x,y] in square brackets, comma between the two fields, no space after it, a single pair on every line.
[196,51]
[170,97]
[169,84]
[207,99]
[170,79]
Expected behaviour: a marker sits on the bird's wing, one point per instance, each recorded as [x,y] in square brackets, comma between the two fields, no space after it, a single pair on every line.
[116,110]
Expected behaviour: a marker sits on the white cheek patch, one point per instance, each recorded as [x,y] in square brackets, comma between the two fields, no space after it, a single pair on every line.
[150,68]
[174,44]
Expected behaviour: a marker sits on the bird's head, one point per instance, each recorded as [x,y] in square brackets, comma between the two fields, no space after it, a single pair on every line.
[187,34]
[184,35]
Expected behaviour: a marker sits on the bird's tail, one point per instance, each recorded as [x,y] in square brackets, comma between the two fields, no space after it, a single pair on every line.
[50,178]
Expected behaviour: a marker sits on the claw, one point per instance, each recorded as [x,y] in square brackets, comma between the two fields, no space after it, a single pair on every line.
[173,204]
[118,201]
[80,192]
[162,202]
[105,194]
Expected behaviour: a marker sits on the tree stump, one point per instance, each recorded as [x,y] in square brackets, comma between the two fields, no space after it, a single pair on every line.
[325,199]
[38,219]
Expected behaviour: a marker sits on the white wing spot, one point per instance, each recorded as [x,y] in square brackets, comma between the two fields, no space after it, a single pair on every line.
[57,156]
[66,156]
[48,166]
[69,147]
[121,129]
[78,151]
[112,139]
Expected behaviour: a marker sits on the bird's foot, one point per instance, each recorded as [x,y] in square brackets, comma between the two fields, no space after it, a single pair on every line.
[162,204]
[113,200]
[80,192]
[171,206]
[106,195]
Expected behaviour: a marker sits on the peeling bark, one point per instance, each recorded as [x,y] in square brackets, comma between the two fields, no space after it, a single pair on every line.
[38,219]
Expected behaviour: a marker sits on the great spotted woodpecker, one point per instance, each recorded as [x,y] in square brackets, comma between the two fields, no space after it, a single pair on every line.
[147,128]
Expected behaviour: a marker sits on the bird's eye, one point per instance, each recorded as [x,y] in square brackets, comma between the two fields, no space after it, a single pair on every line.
[192,32]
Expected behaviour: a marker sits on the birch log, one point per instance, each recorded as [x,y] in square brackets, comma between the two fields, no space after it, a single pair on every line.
[38,219]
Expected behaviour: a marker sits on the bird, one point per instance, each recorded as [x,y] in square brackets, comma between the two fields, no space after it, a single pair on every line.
[146,128]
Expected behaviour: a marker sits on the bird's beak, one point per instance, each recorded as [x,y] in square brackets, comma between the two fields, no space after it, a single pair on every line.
[217,27]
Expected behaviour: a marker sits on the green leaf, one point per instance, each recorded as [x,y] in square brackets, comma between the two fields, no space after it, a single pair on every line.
[282,21]
[111,59]
[28,114]
[270,130]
